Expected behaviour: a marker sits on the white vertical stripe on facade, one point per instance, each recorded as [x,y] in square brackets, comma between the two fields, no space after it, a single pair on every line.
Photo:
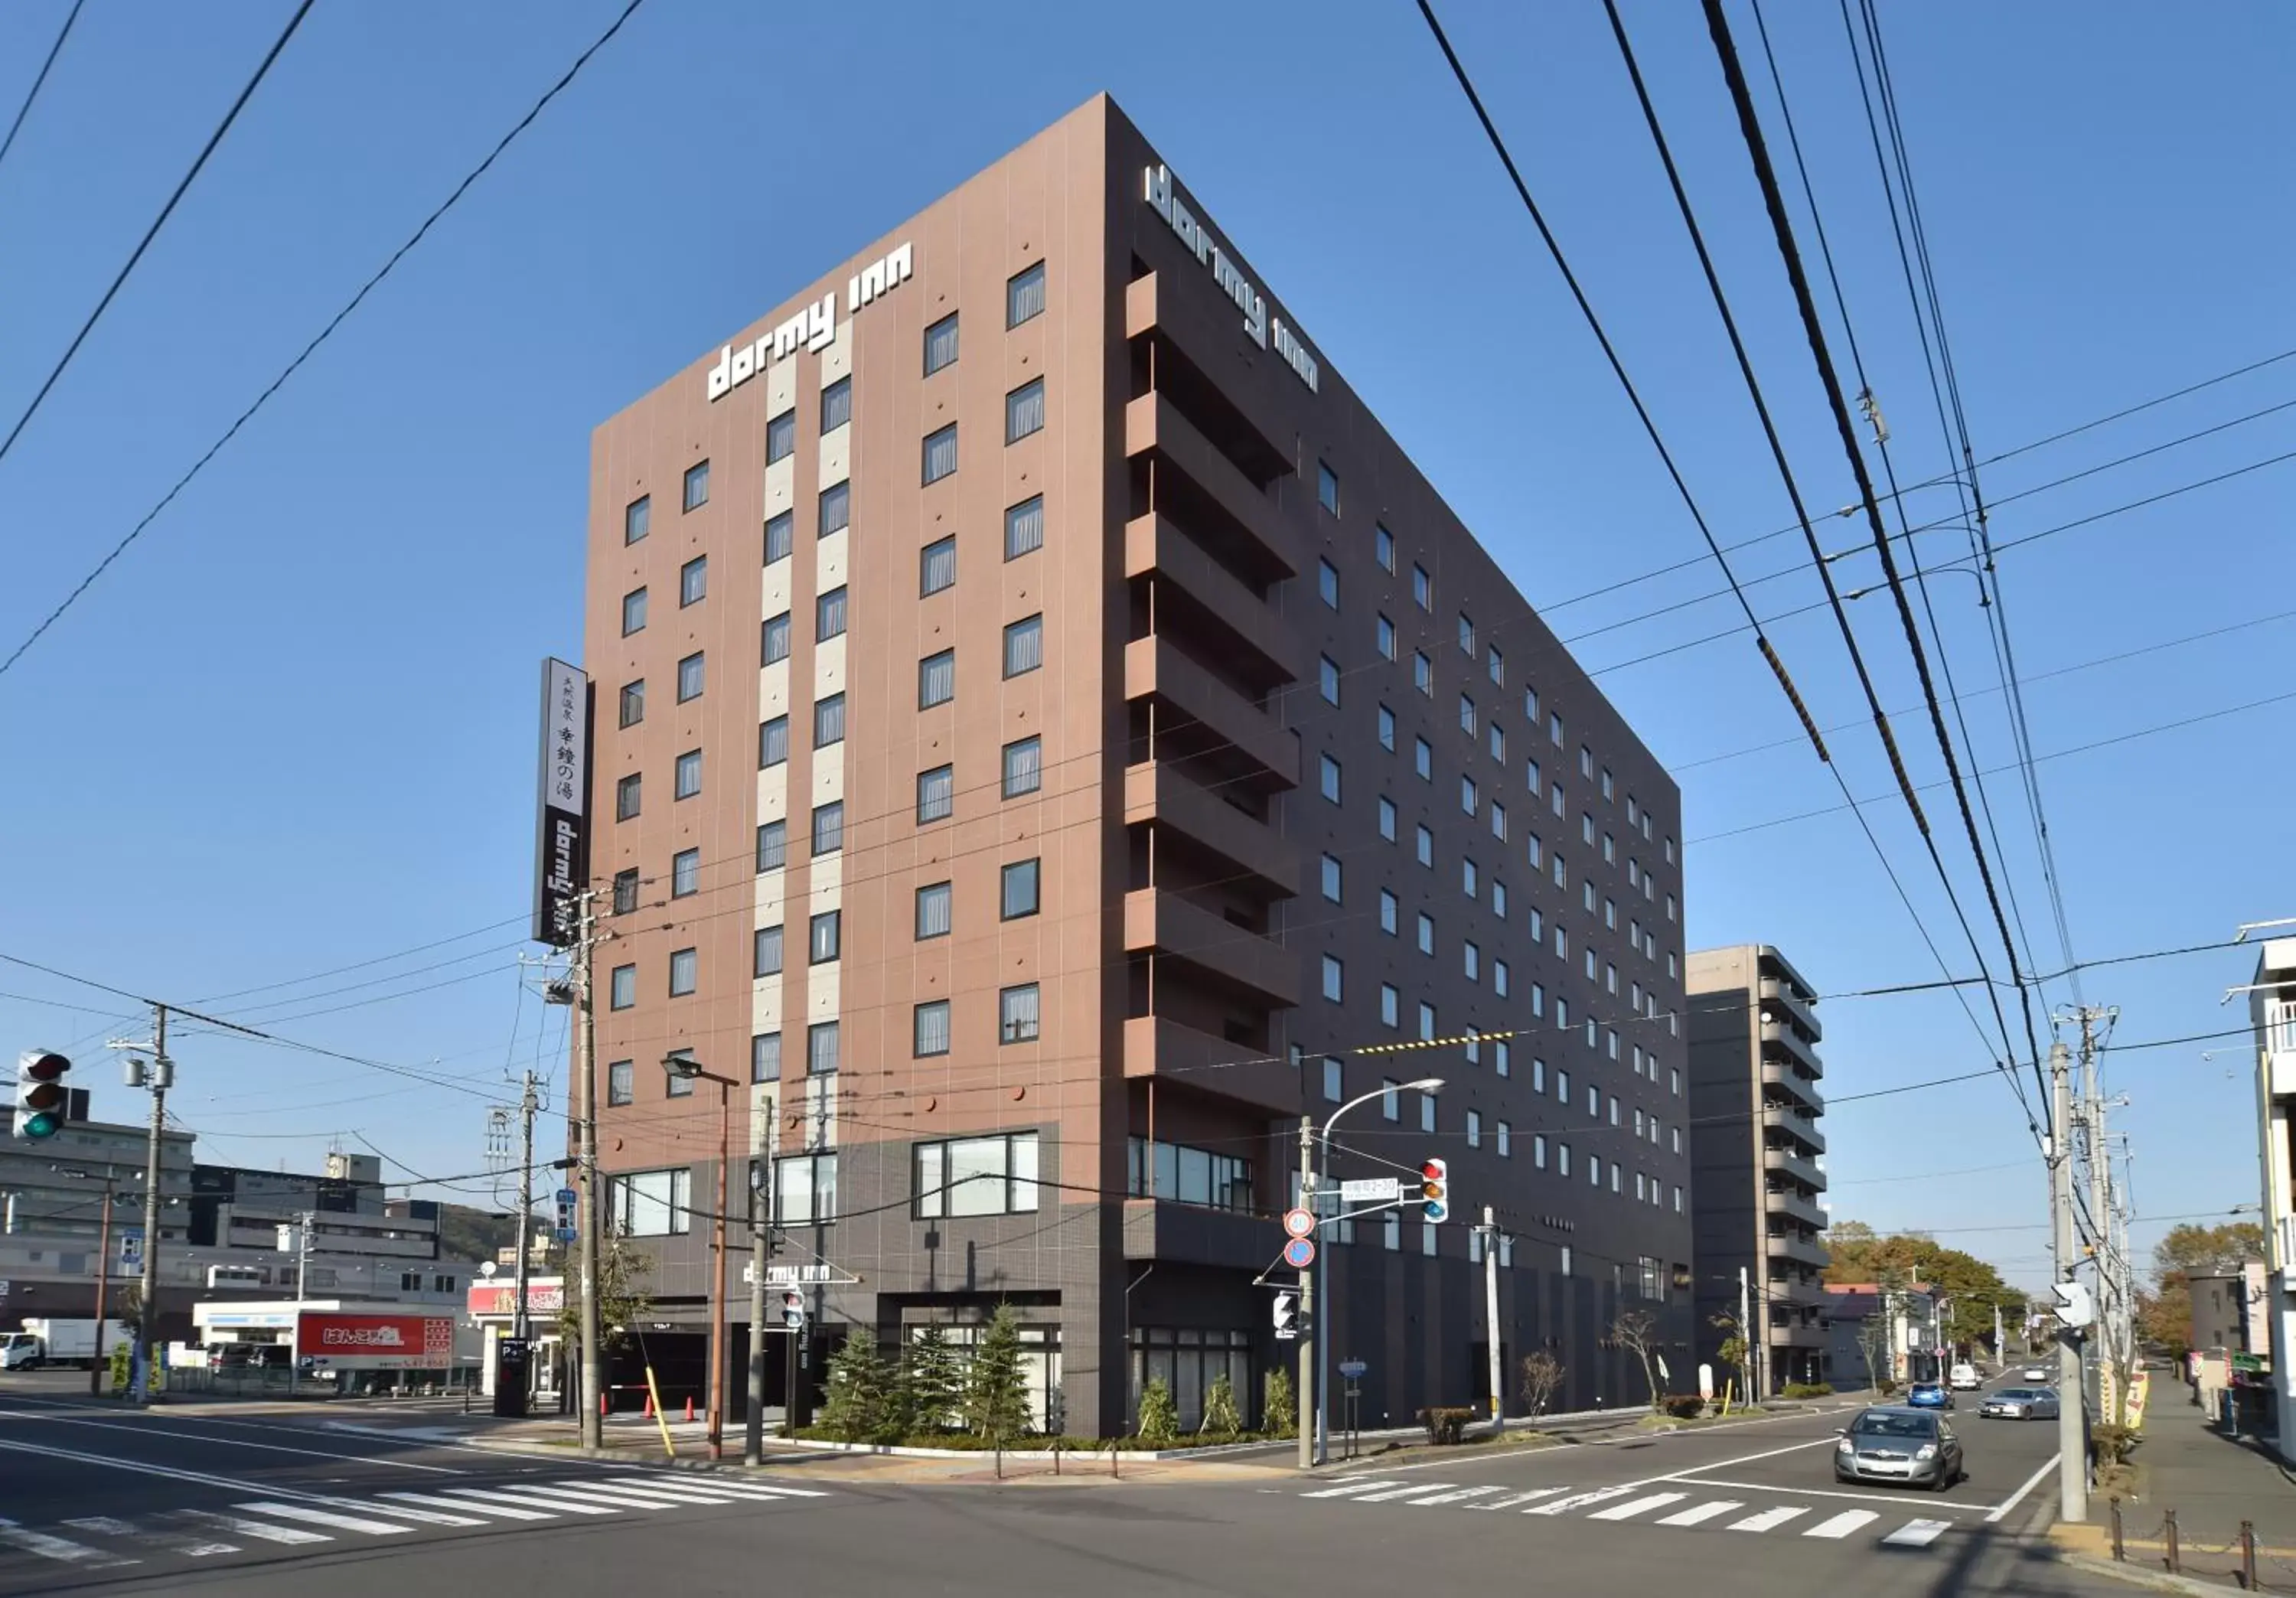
[781,393]
[780,494]
[837,361]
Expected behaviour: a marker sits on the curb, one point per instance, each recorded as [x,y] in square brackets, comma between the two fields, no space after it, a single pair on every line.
[2159,1581]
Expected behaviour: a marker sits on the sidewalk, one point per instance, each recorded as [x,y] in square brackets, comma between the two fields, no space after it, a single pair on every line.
[2212,1483]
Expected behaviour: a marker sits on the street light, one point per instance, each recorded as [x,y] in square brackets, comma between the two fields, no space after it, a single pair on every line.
[682,1066]
[1315,1362]
[100,1366]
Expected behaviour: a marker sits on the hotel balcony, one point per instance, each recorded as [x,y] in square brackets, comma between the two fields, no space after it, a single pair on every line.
[1157,791]
[1209,716]
[1221,952]
[1154,1046]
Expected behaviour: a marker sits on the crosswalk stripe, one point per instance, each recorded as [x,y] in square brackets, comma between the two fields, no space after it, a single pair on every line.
[61,1549]
[534,1495]
[1517,1500]
[1459,1496]
[627,1497]
[659,1492]
[1346,1488]
[1842,1524]
[502,1510]
[764,1487]
[1563,1506]
[678,1486]
[427,1516]
[1413,1490]
[1635,1506]
[1699,1513]
[320,1517]
[190,1547]
[239,1526]
[1770,1518]
[1915,1534]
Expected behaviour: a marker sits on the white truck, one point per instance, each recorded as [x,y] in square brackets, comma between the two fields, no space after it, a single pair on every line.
[58,1342]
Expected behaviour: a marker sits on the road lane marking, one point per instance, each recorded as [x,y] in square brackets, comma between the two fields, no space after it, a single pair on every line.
[1842,1524]
[1455,1496]
[1347,1487]
[655,1482]
[1635,1506]
[239,1526]
[1769,1519]
[1915,1534]
[672,1493]
[190,1547]
[62,1550]
[621,1498]
[1563,1506]
[321,1517]
[2032,1481]
[770,1486]
[1409,1491]
[501,1511]
[1517,1455]
[232,1442]
[431,1517]
[534,1495]
[1699,1513]
[1812,1491]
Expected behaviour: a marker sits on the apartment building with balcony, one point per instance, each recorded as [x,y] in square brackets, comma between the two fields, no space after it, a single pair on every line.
[1046,734]
[1759,1157]
[2272,1009]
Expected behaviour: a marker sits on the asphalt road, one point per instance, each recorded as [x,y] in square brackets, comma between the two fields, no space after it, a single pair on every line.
[181,1500]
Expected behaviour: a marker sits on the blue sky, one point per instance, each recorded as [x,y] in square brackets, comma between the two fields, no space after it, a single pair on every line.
[292,730]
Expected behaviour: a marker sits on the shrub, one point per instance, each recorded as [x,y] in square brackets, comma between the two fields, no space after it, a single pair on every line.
[858,1409]
[1160,1417]
[1279,1411]
[1683,1406]
[1807,1389]
[996,1400]
[2113,1443]
[1446,1425]
[1220,1416]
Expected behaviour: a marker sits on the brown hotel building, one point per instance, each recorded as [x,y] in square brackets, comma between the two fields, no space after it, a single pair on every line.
[1045,726]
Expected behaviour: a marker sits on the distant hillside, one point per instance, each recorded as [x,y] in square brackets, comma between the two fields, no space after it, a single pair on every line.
[466,1233]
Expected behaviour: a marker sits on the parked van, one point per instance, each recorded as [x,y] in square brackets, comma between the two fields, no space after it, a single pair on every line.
[1964,1378]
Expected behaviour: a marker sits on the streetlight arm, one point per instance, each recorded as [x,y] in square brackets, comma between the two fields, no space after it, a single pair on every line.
[1424,1084]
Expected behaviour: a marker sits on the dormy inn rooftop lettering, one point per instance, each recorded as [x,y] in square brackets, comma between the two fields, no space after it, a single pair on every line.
[812,327]
[1197,237]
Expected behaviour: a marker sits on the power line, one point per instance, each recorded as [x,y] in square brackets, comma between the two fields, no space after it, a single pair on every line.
[40,78]
[262,69]
[324,334]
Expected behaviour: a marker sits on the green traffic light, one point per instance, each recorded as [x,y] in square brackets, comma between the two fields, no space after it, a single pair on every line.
[41,1124]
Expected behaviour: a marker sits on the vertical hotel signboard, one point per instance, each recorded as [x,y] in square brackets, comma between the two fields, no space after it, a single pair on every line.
[562,828]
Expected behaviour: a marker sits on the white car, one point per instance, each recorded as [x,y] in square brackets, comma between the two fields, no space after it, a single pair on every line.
[1964,1379]
[2035,1373]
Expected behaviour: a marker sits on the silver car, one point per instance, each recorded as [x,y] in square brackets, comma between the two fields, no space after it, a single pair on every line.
[1897,1443]
[2021,1404]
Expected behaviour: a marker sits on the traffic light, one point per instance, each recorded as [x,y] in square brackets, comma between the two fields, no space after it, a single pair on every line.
[1287,1315]
[1435,1190]
[43,1102]
[793,1311]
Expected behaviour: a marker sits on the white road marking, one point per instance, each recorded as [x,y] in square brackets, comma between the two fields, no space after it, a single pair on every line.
[1409,1491]
[427,1516]
[502,1510]
[1455,1496]
[665,1493]
[321,1517]
[764,1486]
[239,1527]
[1899,1498]
[1698,1514]
[1516,1500]
[1635,1506]
[1842,1524]
[534,1495]
[1345,1489]
[621,1498]
[1515,1456]
[190,1547]
[2032,1481]
[64,1550]
[232,1442]
[1769,1519]
[1563,1506]
[1915,1534]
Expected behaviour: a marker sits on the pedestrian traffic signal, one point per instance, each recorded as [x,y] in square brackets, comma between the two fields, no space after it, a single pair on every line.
[43,1102]
[1435,1190]
[1287,1315]
[793,1311]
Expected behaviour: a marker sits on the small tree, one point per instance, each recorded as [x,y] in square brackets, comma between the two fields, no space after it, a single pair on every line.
[996,1403]
[1160,1418]
[623,1299]
[1220,1416]
[859,1407]
[1542,1379]
[1279,1410]
[1636,1331]
[930,1383]
[1734,1353]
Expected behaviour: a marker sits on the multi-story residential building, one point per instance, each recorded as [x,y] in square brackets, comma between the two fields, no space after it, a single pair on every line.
[1048,734]
[2272,1009]
[1758,1158]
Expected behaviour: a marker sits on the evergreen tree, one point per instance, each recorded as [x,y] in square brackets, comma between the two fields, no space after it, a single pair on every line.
[859,1408]
[1160,1418]
[1279,1411]
[996,1403]
[929,1385]
[1220,1416]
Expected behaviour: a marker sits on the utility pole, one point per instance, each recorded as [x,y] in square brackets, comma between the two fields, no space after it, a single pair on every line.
[753,1420]
[528,1102]
[163,1073]
[2072,1451]
[1309,1310]
[587,1205]
[1746,1332]
[1491,1231]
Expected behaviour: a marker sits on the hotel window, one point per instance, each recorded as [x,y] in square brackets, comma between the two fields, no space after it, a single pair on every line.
[1474,1129]
[1470,877]
[1327,679]
[1024,411]
[633,702]
[1388,908]
[1422,674]
[1423,759]
[636,516]
[1501,978]
[1531,709]
[649,1203]
[829,615]
[685,872]
[935,793]
[620,1090]
[836,404]
[780,533]
[1390,1007]
[936,566]
[1387,729]
[1422,587]
[1426,933]
[1467,715]
[1390,1230]
[1024,296]
[829,827]
[1330,779]
[805,1186]
[683,965]
[941,344]
[1332,1085]
[977,1176]
[1470,800]
[634,608]
[1554,728]
[622,987]
[780,437]
[1330,878]
[1335,978]
[773,845]
[829,721]
[1425,843]
[628,793]
[1024,646]
[773,742]
[929,1029]
[765,951]
[836,509]
[1494,663]
[1382,547]
[1017,890]
[1498,742]
[1384,633]
[1498,898]
[1426,1033]
[1327,488]
[934,917]
[773,639]
[1386,817]
[821,1043]
[1024,766]
[689,678]
[693,581]
[1607,789]
[1470,960]
[825,938]
[937,679]
[697,485]
[1327,583]
[1426,1107]
[1466,635]
[1024,527]
[1498,821]
[1502,1050]
[1017,1014]
[941,452]
[1586,761]
[625,890]
[688,778]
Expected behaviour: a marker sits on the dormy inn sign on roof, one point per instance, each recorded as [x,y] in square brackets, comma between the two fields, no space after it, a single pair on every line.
[1263,328]
[811,327]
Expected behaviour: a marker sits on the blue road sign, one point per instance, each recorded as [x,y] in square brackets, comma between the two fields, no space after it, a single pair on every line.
[1300,1253]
